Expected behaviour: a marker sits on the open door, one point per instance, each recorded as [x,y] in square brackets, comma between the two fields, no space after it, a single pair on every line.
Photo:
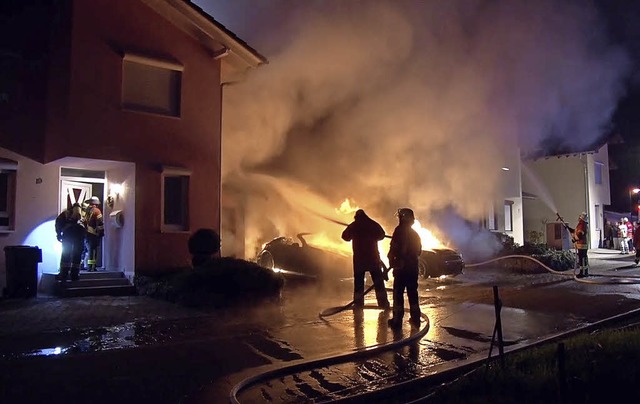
[72,192]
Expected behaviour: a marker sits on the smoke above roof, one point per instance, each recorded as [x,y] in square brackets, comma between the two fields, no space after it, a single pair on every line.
[412,103]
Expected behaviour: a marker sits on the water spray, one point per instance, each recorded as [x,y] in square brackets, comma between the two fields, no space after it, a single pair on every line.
[337,221]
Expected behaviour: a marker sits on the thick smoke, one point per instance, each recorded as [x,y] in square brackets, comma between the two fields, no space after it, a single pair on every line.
[408,103]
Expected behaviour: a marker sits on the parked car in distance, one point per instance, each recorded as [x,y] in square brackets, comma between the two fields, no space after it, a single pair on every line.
[438,262]
[299,259]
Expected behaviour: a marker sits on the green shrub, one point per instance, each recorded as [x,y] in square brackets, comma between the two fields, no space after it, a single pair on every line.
[220,282]
[558,260]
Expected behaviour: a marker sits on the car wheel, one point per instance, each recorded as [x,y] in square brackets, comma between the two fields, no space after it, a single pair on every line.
[423,269]
[266,260]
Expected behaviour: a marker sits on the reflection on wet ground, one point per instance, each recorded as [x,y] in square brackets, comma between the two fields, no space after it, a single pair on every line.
[460,310]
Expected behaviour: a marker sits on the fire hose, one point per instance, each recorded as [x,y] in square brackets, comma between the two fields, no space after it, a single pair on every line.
[620,279]
[356,354]
[365,352]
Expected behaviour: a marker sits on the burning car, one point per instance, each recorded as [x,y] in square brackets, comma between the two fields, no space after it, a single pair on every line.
[440,262]
[299,259]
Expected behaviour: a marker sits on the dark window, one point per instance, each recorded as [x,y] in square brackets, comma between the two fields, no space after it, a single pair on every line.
[175,202]
[597,172]
[7,199]
[153,88]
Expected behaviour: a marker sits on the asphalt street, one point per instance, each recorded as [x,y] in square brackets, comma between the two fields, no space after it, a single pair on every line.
[132,349]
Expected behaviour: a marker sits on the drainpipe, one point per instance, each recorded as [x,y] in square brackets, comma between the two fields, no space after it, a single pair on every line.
[586,196]
[217,56]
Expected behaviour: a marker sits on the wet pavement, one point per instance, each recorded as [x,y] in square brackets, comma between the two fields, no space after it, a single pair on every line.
[140,349]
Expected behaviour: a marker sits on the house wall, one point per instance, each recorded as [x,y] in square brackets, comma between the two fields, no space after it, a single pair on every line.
[25,60]
[36,209]
[599,194]
[94,125]
[559,184]
[119,242]
[566,185]
[512,191]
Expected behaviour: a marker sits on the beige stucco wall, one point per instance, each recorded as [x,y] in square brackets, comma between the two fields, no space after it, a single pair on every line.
[566,185]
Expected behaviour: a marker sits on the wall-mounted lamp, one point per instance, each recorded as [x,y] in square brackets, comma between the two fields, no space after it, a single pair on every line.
[116,190]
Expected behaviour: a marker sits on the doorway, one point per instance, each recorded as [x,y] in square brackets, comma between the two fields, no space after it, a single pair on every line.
[78,185]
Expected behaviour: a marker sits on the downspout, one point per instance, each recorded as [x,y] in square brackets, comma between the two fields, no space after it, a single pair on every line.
[218,56]
[586,197]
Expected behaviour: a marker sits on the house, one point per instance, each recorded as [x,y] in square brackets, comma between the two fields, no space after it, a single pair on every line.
[120,99]
[565,184]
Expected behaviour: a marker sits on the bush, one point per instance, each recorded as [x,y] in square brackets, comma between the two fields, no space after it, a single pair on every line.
[221,282]
[558,260]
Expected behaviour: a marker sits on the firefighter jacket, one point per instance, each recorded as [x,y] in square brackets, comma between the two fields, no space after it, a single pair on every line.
[364,233]
[405,247]
[68,227]
[580,235]
[95,222]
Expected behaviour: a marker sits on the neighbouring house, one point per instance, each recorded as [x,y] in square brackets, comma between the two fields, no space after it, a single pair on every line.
[568,184]
[121,99]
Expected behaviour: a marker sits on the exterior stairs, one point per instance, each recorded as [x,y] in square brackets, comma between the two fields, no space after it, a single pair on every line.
[100,283]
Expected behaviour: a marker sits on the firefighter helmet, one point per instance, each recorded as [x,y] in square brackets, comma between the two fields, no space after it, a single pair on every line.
[94,200]
[405,215]
[583,216]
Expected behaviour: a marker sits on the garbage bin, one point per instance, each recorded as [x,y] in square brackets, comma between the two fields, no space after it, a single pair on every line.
[22,270]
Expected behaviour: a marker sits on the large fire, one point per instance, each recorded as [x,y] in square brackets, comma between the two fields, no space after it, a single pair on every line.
[337,245]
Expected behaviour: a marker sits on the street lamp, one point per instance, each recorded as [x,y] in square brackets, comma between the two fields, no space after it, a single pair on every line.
[633,191]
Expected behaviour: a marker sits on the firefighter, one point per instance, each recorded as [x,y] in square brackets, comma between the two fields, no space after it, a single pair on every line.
[403,258]
[70,231]
[579,236]
[364,233]
[95,231]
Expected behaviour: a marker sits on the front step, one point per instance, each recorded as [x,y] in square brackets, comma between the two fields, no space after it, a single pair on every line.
[101,283]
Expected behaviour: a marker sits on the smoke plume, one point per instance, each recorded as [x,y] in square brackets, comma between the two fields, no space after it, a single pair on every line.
[407,103]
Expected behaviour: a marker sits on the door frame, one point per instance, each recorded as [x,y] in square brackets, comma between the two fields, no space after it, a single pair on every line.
[87,183]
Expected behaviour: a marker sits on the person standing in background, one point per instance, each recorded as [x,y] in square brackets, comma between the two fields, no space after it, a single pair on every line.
[622,232]
[95,231]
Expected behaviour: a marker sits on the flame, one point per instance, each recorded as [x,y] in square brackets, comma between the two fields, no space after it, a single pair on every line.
[321,240]
[346,207]
[429,241]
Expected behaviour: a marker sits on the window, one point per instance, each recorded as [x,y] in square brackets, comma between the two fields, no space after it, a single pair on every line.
[508,215]
[597,172]
[598,224]
[150,85]
[492,219]
[175,199]
[7,194]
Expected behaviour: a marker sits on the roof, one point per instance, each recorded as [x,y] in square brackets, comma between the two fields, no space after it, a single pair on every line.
[563,150]
[236,55]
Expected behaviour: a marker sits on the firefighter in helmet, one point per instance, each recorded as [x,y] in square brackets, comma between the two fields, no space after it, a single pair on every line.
[95,231]
[364,234]
[70,232]
[404,253]
[579,236]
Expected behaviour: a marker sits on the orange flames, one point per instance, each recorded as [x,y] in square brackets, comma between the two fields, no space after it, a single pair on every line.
[337,245]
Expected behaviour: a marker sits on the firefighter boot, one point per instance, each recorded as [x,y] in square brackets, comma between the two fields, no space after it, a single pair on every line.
[63,275]
[396,322]
[581,273]
[586,271]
